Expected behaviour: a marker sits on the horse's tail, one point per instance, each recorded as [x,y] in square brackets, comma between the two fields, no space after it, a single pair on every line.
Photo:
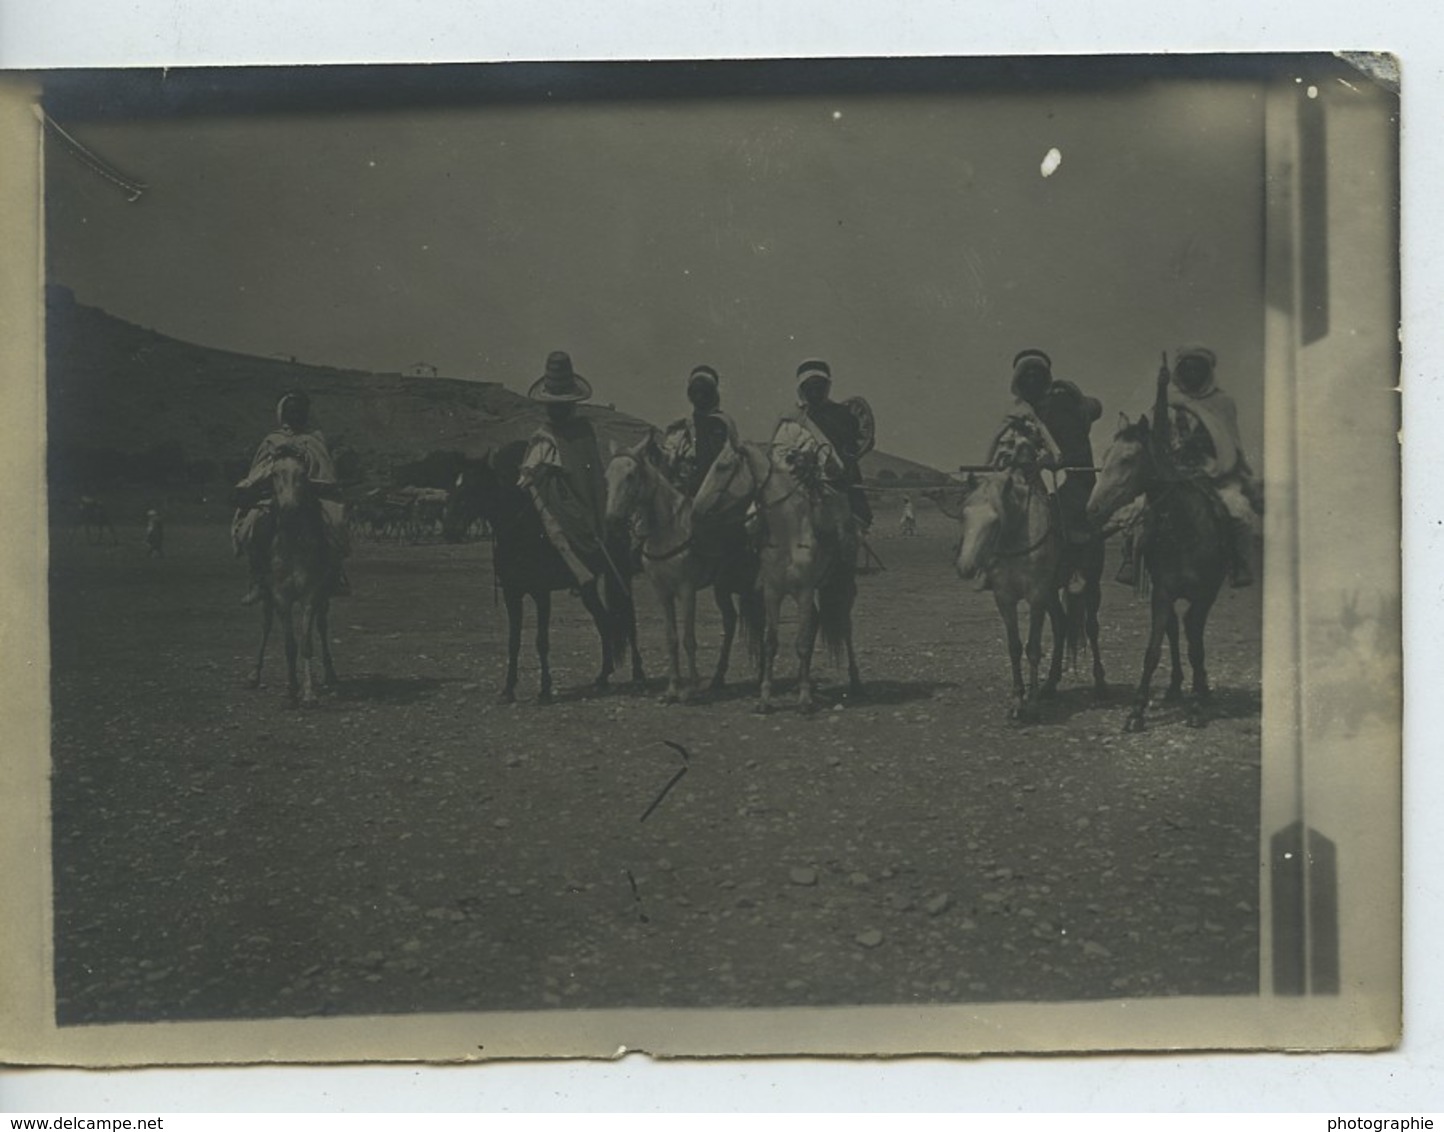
[752,614]
[621,612]
[834,612]
[1075,608]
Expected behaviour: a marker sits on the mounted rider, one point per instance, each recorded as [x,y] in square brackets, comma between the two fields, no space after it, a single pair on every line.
[563,474]
[837,435]
[1054,417]
[253,523]
[690,444]
[1204,443]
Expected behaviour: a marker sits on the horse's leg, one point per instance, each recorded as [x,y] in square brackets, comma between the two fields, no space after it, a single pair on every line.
[729,632]
[1175,676]
[1057,620]
[1162,611]
[689,638]
[543,599]
[772,599]
[639,674]
[268,614]
[1194,621]
[1008,611]
[308,637]
[1093,598]
[602,619]
[514,611]
[674,664]
[854,677]
[323,630]
[806,642]
[288,623]
[1038,614]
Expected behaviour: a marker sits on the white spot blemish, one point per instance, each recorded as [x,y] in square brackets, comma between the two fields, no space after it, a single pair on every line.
[1313,91]
[837,115]
[1051,161]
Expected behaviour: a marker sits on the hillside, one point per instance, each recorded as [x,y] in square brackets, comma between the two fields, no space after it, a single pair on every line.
[128,401]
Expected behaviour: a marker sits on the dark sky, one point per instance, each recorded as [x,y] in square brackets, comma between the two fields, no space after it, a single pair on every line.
[911,240]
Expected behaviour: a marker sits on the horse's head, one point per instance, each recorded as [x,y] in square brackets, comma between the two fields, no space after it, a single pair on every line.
[730,483]
[629,475]
[1125,469]
[982,510]
[291,482]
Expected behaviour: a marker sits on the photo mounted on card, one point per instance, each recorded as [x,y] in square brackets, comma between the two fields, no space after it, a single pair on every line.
[866,557]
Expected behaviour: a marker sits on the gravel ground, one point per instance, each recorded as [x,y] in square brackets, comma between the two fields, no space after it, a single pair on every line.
[411,844]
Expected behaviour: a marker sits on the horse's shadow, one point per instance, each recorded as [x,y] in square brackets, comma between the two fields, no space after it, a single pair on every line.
[372,688]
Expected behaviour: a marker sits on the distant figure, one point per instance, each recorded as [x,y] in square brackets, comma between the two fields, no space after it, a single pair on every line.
[908,525]
[154,534]
[253,524]
[1205,443]
[839,434]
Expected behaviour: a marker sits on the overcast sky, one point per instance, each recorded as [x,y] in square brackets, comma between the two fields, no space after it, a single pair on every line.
[913,241]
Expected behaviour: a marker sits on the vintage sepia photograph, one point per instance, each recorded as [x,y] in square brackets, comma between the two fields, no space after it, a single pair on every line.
[541,558]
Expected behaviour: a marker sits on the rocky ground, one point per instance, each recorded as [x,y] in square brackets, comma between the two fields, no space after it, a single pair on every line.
[412,844]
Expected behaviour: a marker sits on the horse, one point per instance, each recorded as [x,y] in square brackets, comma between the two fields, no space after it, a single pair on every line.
[1012,537]
[810,553]
[1184,550]
[302,570]
[527,564]
[681,557]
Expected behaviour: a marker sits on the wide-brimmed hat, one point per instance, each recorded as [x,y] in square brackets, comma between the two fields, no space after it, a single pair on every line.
[1023,355]
[560,382]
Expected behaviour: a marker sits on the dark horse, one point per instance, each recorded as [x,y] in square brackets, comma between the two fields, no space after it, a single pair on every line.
[1184,546]
[526,563]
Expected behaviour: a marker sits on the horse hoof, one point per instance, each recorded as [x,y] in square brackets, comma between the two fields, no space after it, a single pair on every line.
[543,698]
[717,684]
[1047,691]
[1100,693]
[763,709]
[857,690]
[1133,724]
[507,697]
[1196,719]
[1173,696]
[252,682]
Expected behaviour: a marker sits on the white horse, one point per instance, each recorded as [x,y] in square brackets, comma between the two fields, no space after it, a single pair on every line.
[681,557]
